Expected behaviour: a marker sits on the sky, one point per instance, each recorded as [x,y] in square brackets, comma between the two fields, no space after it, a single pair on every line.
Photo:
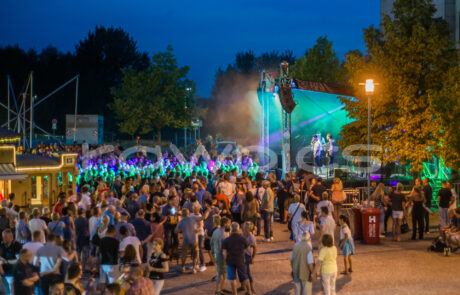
[205,34]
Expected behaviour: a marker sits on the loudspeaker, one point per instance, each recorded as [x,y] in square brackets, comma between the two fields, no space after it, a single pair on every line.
[341,173]
[287,101]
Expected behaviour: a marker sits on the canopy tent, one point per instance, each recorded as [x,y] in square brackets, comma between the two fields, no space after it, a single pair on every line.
[7,172]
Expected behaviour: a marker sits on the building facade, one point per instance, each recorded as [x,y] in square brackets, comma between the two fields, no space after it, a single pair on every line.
[36,180]
[446,9]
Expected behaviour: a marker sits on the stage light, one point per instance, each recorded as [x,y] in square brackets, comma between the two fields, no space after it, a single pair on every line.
[369,86]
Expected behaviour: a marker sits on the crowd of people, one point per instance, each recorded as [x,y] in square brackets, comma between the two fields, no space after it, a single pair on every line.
[123,232]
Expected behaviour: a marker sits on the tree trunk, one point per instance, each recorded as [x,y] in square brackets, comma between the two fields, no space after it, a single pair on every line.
[159,135]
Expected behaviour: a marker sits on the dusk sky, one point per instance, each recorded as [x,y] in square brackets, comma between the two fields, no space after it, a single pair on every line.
[204,34]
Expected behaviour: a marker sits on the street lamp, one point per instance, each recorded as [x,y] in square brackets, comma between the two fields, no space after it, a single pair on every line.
[369,86]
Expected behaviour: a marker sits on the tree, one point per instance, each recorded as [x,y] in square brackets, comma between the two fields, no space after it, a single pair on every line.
[408,58]
[319,64]
[100,59]
[447,103]
[157,97]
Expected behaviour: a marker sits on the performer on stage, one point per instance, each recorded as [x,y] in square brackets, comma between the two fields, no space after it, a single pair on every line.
[330,151]
[317,155]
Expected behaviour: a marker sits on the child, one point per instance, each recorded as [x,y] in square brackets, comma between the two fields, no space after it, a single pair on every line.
[250,252]
[328,264]
[346,243]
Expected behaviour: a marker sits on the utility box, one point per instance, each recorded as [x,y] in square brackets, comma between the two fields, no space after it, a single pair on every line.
[88,127]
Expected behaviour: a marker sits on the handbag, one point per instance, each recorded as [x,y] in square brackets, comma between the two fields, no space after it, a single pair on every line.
[344,195]
[289,224]
[404,226]
[96,239]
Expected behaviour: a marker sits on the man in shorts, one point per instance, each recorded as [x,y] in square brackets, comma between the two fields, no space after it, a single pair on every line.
[187,227]
[234,248]
[218,236]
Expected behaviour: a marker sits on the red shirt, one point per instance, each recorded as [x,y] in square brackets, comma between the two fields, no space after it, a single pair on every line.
[58,208]
[222,197]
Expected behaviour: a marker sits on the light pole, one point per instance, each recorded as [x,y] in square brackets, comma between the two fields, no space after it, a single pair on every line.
[369,86]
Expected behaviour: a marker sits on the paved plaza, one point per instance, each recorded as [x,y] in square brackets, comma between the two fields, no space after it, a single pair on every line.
[388,268]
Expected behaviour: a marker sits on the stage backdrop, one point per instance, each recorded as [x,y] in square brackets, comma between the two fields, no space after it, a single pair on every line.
[315,113]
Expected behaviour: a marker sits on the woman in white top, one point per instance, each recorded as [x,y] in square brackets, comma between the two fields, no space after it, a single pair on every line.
[295,215]
[305,225]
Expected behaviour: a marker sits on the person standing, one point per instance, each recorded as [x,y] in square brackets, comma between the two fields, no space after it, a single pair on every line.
[250,209]
[305,225]
[337,197]
[267,210]
[158,266]
[38,224]
[315,196]
[317,154]
[251,251]
[23,234]
[73,283]
[428,193]
[346,243]
[109,246]
[49,257]
[218,236]
[418,212]
[295,216]
[171,238]
[69,230]
[130,240]
[378,197]
[200,234]
[303,266]
[398,205]
[445,199]
[328,264]
[234,248]
[9,249]
[227,188]
[327,223]
[85,202]
[187,227]
[139,284]
[143,231]
[82,233]
[34,245]
[330,153]
[24,274]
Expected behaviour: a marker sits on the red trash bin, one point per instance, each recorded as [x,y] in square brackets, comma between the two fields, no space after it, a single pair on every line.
[358,224]
[371,228]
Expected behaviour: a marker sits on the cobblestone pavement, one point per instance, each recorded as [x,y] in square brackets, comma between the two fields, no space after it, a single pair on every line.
[388,268]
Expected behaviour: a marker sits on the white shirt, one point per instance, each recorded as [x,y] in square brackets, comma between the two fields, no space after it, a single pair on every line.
[227,189]
[199,223]
[298,215]
[325,203]
[327,225]
[317,148]
[85,202]
[345,230]
[131,241]
[93,225]
[37,224]
[32,247]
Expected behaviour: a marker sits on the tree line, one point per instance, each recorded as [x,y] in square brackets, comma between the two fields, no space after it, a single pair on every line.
[414,108]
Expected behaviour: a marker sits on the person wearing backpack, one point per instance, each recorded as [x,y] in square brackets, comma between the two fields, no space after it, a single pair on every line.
[294,216]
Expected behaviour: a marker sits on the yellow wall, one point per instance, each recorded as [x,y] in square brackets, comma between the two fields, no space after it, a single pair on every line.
[23,188]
